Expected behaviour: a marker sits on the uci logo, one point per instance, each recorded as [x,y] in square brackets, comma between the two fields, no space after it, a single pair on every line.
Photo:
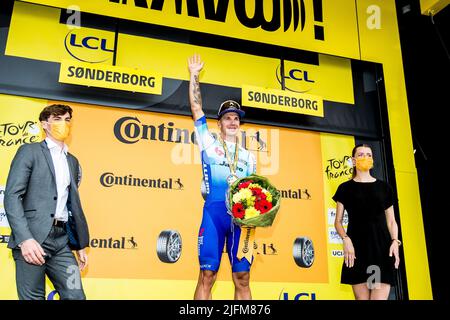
[295,79]
[337,253]
[86,47]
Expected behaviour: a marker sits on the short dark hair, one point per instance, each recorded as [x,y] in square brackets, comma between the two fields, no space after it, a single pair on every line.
[54,110]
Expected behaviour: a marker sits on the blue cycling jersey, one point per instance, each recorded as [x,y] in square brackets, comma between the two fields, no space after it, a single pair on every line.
[214,162]
[217,227]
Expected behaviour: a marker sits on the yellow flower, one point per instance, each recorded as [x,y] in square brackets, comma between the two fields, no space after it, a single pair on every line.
[251,213]
[254,185]
[250,202]
[243,194]
[268,195]
[237,197]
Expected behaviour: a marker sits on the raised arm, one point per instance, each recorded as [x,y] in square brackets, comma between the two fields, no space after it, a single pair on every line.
[195,98]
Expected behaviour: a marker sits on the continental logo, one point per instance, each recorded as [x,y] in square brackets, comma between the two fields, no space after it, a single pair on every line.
[266,249]
[245,249]
[111,77]
[114,243]
[130,130]
[18,133]
[298,194]
[281,100]
[338,167]
[285,15]
[109,179]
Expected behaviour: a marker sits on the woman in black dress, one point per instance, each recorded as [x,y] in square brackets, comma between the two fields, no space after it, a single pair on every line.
[371,241]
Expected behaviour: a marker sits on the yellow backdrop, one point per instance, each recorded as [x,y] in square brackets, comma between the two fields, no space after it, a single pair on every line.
[115,146]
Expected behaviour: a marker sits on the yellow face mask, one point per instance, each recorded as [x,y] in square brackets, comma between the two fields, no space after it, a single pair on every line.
[364,163]
[60,130]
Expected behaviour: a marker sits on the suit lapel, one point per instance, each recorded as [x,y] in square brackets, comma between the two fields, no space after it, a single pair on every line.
[48,157]
[73,189]
[72,170]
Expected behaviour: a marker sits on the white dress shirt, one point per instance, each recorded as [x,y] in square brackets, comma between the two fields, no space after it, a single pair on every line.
[62,174]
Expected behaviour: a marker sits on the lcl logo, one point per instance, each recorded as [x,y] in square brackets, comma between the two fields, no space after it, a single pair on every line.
[298,296]
[300,80]
[88,48]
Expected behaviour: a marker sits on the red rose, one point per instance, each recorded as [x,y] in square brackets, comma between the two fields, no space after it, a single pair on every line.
[263,206]
[238,210]
[243,185]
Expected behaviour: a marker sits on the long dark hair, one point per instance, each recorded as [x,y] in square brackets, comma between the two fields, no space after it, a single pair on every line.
[353,155]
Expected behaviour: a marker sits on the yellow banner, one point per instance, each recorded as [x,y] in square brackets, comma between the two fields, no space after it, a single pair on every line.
[325,26]
[281,100]
[52,41]
[331,78]
[105,76]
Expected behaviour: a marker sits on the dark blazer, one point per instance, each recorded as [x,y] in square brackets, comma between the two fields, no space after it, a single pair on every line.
[30,195]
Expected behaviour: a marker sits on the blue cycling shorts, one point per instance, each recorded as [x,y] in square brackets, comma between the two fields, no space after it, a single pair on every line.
[216,228]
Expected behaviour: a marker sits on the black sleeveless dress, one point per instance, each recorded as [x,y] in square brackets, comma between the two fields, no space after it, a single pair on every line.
[365,203]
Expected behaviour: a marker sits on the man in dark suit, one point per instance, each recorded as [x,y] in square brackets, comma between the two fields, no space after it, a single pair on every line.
[43,208]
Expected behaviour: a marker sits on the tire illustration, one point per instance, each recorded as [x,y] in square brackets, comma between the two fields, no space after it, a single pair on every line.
[168,246]
[303,252]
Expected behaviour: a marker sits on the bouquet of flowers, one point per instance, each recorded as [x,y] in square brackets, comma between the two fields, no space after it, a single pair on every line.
[253,201]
